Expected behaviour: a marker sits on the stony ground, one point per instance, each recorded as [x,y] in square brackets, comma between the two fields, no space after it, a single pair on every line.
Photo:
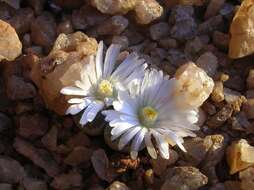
[42,150]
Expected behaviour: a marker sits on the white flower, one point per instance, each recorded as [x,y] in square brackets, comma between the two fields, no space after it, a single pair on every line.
[101,80]
[148,111]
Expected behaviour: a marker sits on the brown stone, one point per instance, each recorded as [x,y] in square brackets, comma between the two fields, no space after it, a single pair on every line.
[10,45]
[32,125]
[196,83]
[240,155]
[62,67]
[250,79]
[113,26]
[208,62]
[184,178]
[117,185]
[147,11]
[18,89]
[248,108]
[67,181]
[114,7]
[11,171]
[22,20]
[39,157]
[78,156]
[213,8]
[217,94]
[101,165]
[43,30]
[160,165]
[50,139]
[241,41]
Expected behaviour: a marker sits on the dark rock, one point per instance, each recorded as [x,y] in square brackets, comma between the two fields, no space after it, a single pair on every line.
[18,89]
[101,165]
[5,122]
[159,30]
[34,184]
[37,5]
[220,117]
[117,185]
[39,157]
[78,156]
[112,26]
[210,25]
[50,139]
[5,186]
[184,178]
[67,181]
[10,170]
[184,25]
[43,30]
[32,125]
[22,20]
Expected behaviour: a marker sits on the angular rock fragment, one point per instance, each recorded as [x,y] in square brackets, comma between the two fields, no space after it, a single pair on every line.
[5,186]
[208,62]
[193,85]
[241,42]
[113,26]
[78,156]
[10,45]
[220,117]
[184,178]
[101,165]
[250,79]
[32,125]
[11,171]
[32,184]
[240,155]
[247,178]
[22,20]
[159,30]
[43,30]
[18,89]
[115,6]
[217,94]
[185,27]
[59,69]
[210,25]
[39,157]
[50,139]
[248,108]
[67,181]
[147,11]
[213,8]
[160,165]
[117,185]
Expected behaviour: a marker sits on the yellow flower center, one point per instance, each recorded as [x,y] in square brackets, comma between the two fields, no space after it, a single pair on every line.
[148,116]
[105,88]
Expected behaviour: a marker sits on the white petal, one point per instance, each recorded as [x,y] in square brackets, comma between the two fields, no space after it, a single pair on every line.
[110,59]
[99,60]
[126,65]
[91,71]
[119,130]
[137,141]
[125,139]
[75,100]
[76,108]
[176,139]
[70,90]
[84,119]
[149,145]
[97,106]
[162,145]
[110,115]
